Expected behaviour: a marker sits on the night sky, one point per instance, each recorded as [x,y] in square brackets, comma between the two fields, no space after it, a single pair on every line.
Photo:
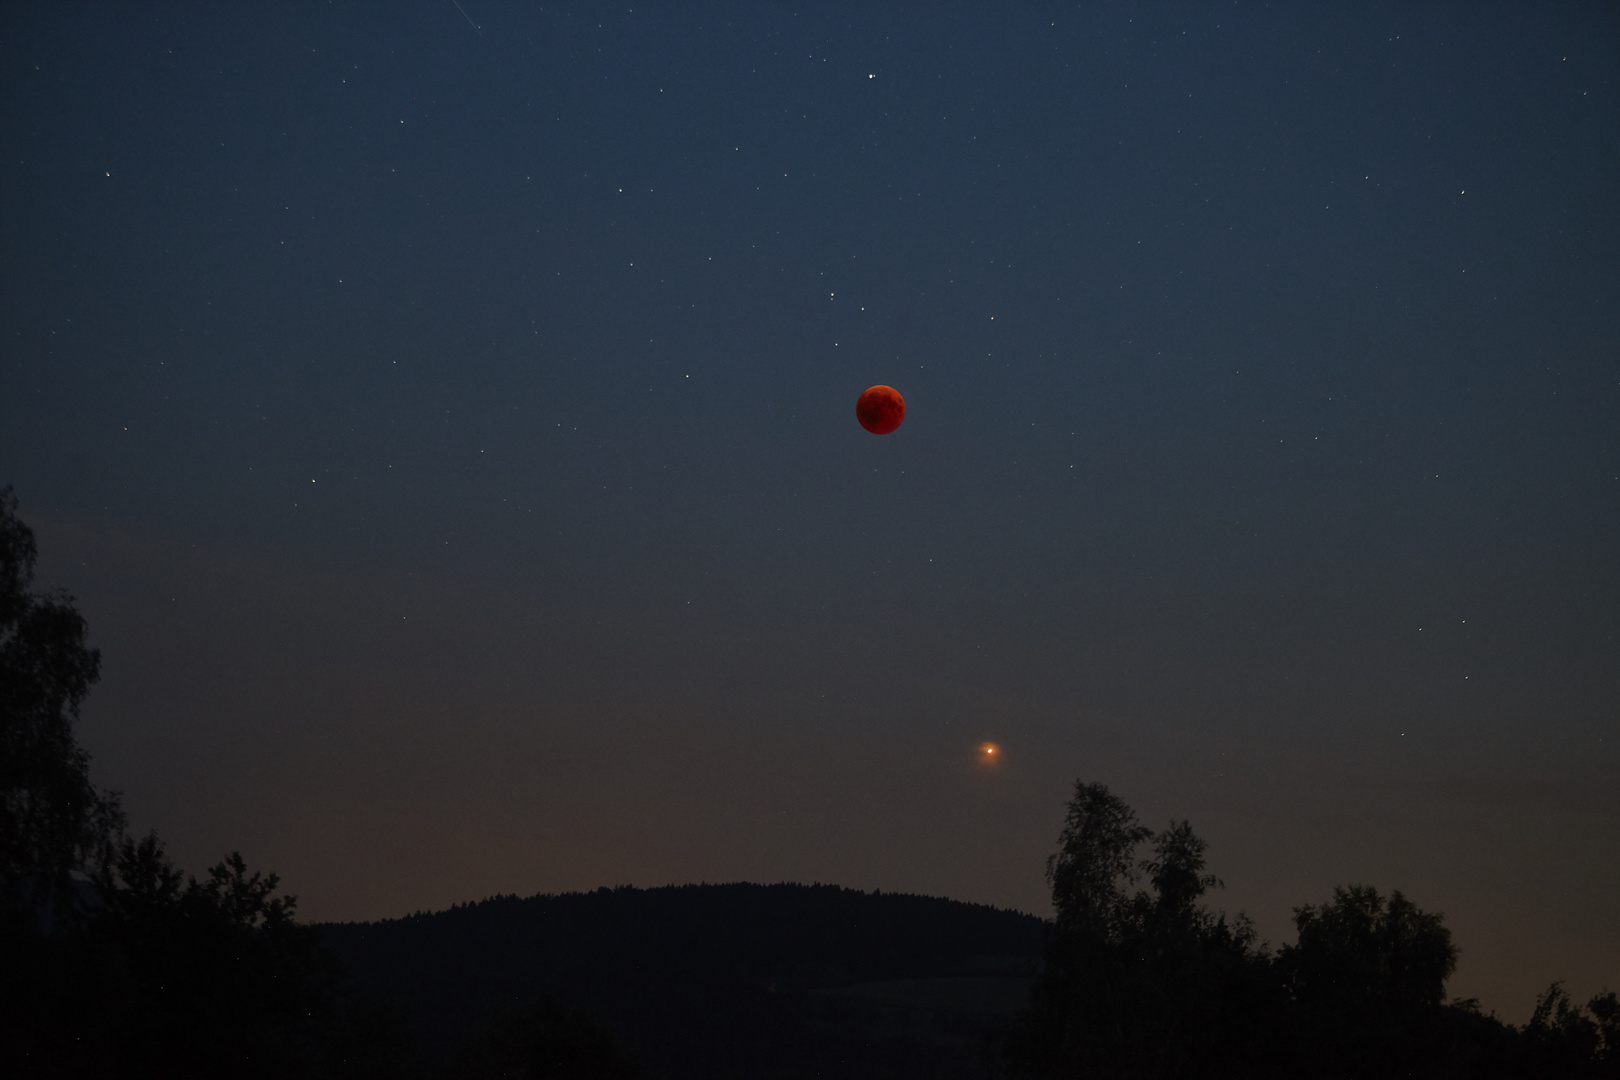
[449,434]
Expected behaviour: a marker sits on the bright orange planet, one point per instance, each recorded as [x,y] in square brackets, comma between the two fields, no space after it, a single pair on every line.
[880,409]
[988,753]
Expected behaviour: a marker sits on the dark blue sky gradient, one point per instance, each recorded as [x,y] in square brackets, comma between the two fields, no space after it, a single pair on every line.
[450,438]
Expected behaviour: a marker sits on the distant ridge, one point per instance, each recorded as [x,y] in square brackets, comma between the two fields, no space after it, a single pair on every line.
[719,980]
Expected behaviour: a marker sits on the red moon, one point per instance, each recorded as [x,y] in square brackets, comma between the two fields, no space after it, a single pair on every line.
[880,409]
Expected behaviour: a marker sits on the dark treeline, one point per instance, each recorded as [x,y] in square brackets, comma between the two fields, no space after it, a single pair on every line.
[1150,983]
[114,963]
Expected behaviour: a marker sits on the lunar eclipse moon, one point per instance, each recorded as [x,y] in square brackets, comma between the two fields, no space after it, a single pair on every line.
[880,409]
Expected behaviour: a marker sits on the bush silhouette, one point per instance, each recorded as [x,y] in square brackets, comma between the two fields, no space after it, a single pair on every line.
[1151,984]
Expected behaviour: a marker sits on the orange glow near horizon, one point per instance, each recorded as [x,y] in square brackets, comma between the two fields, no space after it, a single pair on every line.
[988,753]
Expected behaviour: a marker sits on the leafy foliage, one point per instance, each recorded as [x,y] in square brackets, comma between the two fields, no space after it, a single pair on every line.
[1143,983]
[1361,950]
[116,964]
[1152,984]
[53,821]
[1094,862]
[164,973]
[1566,1040]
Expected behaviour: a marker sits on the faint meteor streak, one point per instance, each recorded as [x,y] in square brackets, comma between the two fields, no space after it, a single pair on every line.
[466,16]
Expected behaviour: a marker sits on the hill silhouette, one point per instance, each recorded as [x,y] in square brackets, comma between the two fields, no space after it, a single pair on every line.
[118,964]
[720,980]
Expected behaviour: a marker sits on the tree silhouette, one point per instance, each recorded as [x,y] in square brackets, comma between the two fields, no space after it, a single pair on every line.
[53,821]
[193,977]
[1366,980]
[1148,984]
[1094,863]
[114,963]
[1174,870]
[1152,984]
[1563,1040]
[1360,949]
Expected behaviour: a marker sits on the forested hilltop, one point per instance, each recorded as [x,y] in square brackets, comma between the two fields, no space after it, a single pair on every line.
[720,980]
[114,963]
